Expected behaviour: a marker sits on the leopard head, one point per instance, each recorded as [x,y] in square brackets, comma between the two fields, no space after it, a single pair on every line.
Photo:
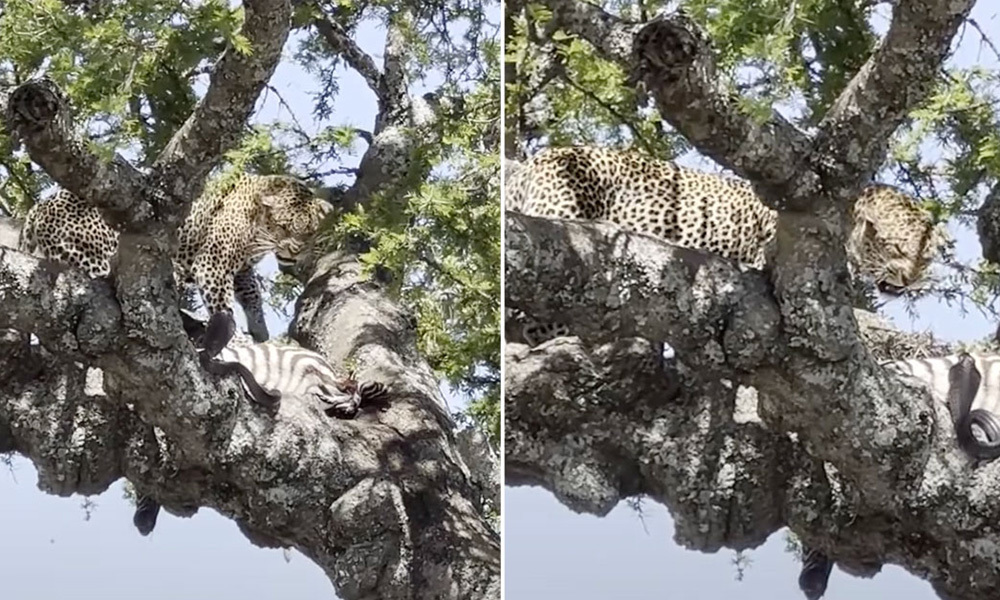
[894,239]
[293,215]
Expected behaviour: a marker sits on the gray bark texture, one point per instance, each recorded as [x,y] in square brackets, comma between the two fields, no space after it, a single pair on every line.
[773,412]
[385,504]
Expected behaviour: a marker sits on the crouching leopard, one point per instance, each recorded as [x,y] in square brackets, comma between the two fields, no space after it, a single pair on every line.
[226,233]
[893,240]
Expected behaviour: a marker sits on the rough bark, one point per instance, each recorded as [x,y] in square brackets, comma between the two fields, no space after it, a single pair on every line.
[38,114]
[782,416]
[988,226]
[341,42]
[10,232]
[384,503]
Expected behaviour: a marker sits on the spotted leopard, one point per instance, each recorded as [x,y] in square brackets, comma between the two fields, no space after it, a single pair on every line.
[893,240]
[224,236]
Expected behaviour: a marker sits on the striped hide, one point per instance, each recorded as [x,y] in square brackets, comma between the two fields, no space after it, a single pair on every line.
[982,412]
[292,371]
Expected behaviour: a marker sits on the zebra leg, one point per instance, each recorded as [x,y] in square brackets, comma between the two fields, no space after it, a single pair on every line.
[963,385]
[370,394]
[989,423]
[146,511]
[341,410]
[269,399]
[221,327]
[247,293]
[374,394]
[815,574]
[343,397]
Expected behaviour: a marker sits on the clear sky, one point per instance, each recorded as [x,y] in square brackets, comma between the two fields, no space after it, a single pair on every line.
[50,550]
[550,552]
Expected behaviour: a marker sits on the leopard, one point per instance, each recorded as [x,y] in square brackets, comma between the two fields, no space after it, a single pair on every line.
[226,233]
[893,240]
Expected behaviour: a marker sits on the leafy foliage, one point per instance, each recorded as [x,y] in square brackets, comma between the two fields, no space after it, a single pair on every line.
[129,67]
[802,51]
[441,240]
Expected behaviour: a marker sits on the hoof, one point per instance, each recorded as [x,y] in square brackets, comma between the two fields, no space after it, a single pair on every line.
[221,328]
[146,511]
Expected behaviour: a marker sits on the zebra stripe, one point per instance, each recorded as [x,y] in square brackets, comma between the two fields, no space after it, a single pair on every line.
[290,371]
[935,372]
[298,372]
[952,379]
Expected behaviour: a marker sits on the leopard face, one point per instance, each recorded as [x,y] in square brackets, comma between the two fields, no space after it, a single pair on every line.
[894,240]
[291,218]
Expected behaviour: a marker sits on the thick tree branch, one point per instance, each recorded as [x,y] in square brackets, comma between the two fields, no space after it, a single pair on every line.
[442,536]
[155,362]
[402,125]
[395,106]
[152,354]
[388,489]
[897,77]
[988,226]
[483,462]
[370,529]
[710,432]
[340,42]
[66,310]
[809,271]
[384,504]
[140,346]
[628,276]
[218,121]
[379,338]
[814,377]
[38,113]
[674,60]
[726,316]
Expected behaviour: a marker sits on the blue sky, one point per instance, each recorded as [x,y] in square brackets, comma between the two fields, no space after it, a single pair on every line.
[51,550]
[550,552]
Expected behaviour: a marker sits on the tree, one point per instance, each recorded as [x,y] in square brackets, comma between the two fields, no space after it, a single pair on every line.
[808,101]
[405,505]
